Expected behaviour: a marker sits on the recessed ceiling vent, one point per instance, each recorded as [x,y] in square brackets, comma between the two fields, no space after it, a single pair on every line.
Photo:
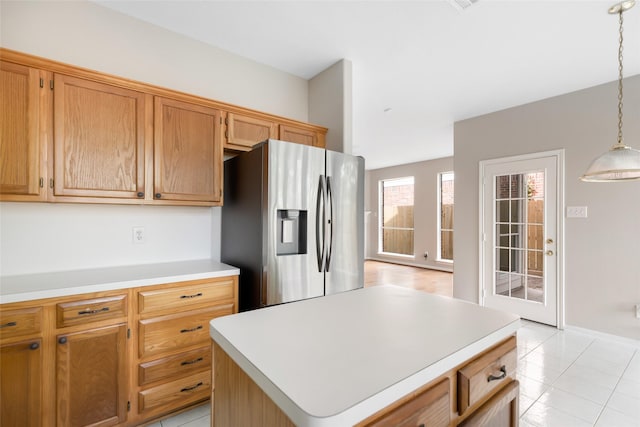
[462,4]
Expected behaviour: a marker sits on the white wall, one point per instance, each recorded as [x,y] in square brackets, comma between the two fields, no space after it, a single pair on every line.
[602,252]
[425,210]
[38,237]
[330,105]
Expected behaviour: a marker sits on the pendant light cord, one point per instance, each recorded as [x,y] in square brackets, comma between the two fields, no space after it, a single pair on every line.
[620,82]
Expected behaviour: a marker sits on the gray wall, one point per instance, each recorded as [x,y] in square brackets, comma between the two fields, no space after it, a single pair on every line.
[330,102]
[425,210]
[602,252]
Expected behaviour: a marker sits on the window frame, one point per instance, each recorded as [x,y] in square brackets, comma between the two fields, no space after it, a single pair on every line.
[381,226]
[439,219]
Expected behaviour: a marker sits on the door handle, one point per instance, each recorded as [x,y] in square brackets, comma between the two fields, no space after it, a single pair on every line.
[320,230]
[329,221]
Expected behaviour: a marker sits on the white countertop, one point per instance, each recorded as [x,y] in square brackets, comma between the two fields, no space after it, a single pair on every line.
[336,360]
[63,283]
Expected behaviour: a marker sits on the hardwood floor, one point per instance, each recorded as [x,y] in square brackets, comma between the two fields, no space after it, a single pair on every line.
[432,281]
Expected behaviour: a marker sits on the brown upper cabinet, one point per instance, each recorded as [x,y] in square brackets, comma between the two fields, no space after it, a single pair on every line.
[301,135]
[244,131]
[74,135]
[22,142]
[99,139]
[187,151]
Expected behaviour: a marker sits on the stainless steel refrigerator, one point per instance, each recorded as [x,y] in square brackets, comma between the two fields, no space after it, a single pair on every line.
[293,222]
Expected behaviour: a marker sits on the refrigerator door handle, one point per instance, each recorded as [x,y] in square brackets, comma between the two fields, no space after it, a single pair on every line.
[320,228]
[329,222]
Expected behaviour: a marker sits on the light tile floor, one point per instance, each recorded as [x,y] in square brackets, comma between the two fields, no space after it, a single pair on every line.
[566,379]
[573,379]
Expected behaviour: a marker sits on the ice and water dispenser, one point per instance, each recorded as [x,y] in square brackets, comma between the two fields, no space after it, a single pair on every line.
[292,232]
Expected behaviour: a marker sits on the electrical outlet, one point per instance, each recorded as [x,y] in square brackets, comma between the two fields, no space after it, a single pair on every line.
[138,235]
[576,212]
[426,255]
[637,311]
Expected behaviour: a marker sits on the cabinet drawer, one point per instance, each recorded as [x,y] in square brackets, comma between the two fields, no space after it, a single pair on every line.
[175,366]
[172,332]
[491,370]
[21,321]
[430,407]
[185,297]
[90,310]
[175,394]
[500,410]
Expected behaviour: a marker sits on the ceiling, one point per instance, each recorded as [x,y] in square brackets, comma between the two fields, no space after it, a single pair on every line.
[418,66]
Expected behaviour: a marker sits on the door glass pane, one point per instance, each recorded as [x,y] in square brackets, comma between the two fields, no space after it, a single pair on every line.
[502,187]
[502,284]
[502,211]
[516,211]
[518,289]
[535,290]
[519,241]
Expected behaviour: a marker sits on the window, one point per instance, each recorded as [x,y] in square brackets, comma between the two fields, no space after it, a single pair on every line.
[396,216]
[445,217]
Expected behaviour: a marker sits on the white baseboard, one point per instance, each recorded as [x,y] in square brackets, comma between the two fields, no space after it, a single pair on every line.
[602,335]
[411,264]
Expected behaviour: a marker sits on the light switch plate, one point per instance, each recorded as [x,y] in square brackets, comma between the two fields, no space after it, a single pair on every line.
[576,212]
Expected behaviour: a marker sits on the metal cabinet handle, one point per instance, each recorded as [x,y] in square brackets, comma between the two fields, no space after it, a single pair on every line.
[62,340]
[549,253]
[182,331]
[158,195]
[100,310]
[34,346]
[191,362]
[199,294]
[8,325]
[191,388]
[503,369]
[140,194]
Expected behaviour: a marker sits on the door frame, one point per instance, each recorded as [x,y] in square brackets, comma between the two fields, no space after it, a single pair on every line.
[560,208]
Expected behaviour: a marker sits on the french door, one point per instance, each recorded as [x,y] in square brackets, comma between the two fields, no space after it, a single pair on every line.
[519,232]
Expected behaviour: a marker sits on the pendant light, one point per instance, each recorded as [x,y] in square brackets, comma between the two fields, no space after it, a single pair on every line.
[621,162]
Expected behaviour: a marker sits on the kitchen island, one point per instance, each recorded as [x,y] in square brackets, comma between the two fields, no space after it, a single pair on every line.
[376,356]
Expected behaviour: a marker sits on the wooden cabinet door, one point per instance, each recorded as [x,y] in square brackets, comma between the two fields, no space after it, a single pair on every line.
[243,131]
[21,384]
[22,145]
[187,152]
[99,139]
[298,135]
[91,377]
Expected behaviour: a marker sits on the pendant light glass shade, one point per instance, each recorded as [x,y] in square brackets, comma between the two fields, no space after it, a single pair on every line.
[621,162]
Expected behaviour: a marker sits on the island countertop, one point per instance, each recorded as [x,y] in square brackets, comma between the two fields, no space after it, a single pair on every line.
[335,360]
[63,283]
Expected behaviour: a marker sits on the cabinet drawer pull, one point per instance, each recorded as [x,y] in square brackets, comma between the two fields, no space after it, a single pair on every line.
[191,362]
[503,369]
[34,346]
[199,294]
[7,325]
[62,340]
[191,388]
[182,331]
[103,309]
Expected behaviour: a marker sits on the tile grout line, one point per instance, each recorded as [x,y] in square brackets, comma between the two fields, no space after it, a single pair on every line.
[616,386]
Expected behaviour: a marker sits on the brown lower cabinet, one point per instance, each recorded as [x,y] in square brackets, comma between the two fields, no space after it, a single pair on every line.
[482,391]
[91,377]
[117,358]
[21,383]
